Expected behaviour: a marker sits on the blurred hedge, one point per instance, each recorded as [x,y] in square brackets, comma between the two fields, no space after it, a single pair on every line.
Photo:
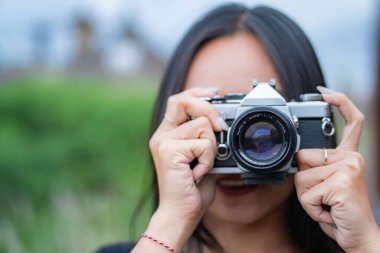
[87,135]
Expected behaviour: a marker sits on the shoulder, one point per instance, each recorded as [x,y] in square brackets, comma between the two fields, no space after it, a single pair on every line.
[117,248]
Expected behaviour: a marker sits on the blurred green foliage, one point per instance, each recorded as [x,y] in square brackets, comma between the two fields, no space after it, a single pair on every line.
[73,161]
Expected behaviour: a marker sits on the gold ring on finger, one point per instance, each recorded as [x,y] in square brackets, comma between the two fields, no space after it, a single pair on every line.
[325,156]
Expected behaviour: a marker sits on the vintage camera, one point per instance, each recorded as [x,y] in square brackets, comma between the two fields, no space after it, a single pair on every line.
[265,132]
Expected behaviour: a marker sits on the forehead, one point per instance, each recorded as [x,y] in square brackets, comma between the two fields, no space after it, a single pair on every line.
[231,63]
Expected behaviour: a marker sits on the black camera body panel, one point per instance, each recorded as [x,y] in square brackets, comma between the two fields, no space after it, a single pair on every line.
[312,135]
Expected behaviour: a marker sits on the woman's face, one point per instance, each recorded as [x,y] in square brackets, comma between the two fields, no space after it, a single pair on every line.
[231,63]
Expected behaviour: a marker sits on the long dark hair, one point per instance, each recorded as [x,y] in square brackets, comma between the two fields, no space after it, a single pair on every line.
[299,72]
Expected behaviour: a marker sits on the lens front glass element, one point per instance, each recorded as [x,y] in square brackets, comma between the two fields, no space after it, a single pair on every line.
[262,141]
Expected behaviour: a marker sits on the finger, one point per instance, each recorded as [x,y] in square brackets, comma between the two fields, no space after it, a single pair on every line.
[178,155]
[198,128]
[329,229]
[204,151]
[201,92]
[350,166]
[311,158]
[183,107]
[307,179]
[353,120]
[313,202]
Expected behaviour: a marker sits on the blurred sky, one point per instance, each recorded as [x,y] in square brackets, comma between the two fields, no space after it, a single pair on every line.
[343,32]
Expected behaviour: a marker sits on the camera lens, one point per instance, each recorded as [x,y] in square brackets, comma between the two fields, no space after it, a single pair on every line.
[262,141]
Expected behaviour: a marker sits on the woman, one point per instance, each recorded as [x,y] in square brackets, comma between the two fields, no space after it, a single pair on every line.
[323,208]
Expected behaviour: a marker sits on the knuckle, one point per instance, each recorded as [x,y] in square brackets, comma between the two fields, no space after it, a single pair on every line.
[299,177]
[153,142]
[207,108]
[172,100]
[178,100]
[350,169]
[182,100]
[204,128]
[301,154]
[164,147]
[304,198]
[356,164]
[203,122]
[344,181]
[361,117]
[208,143]
[360,160]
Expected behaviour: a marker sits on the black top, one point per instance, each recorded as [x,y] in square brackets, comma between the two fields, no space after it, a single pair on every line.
[117,248]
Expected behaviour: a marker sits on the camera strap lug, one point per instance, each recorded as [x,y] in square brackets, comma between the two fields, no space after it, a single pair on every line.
[328,128]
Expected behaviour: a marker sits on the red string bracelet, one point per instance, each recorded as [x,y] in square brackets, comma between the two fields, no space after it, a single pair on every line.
[160,243]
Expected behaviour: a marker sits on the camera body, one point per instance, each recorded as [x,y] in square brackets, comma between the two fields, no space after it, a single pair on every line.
[265,132]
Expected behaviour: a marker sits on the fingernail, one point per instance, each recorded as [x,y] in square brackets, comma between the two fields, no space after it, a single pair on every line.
[223,124]
[324,90]
[214,90]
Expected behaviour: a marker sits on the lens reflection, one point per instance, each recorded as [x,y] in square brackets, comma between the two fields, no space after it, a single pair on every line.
[262,141]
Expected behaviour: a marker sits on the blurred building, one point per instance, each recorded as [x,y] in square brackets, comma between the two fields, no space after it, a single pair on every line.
[130,54]
[79,43]
[87,55]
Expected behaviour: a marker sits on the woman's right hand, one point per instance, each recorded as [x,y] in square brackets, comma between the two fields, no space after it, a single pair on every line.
[185,193]
[176,143]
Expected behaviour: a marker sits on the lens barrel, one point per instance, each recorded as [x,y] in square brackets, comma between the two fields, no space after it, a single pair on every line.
[263,139]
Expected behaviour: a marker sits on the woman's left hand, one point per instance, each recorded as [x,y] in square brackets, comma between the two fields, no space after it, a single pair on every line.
[333,191]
